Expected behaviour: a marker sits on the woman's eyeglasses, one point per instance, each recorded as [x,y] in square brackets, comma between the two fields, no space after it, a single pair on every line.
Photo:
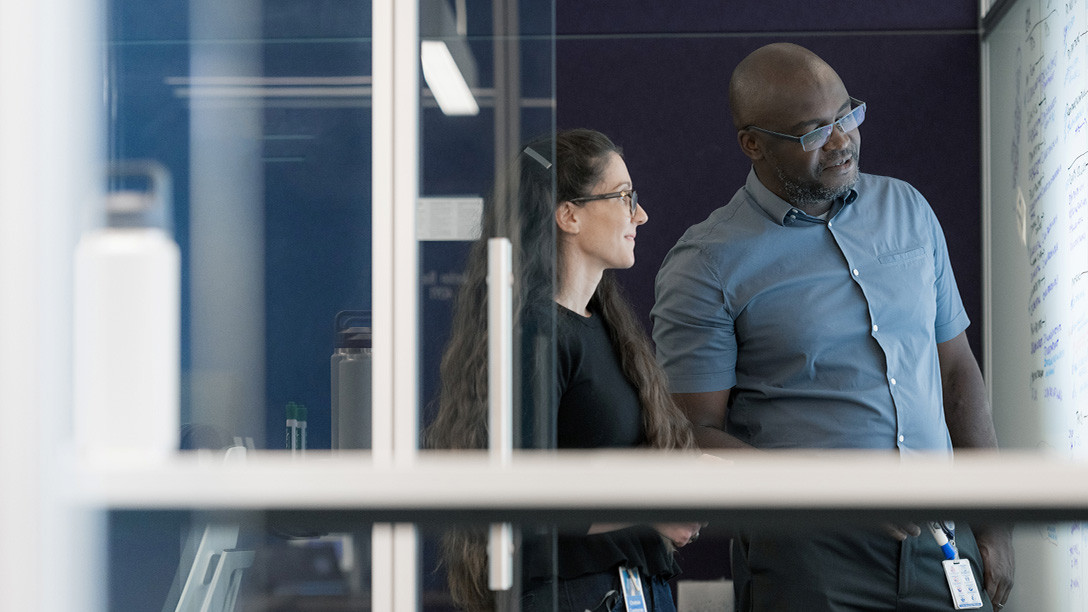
[630,197]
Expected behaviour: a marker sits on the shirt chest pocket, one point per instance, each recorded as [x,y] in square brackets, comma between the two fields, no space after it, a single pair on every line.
[908,287]
[912,256]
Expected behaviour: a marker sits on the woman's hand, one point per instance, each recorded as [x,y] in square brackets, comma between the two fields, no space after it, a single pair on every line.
[679,533]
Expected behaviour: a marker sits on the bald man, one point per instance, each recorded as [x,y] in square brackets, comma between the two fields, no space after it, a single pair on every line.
[818,309]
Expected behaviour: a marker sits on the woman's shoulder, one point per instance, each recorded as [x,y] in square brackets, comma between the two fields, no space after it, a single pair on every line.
[542,316]
[569,317]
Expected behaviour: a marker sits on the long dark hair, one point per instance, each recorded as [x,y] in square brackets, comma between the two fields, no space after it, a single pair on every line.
[537,187]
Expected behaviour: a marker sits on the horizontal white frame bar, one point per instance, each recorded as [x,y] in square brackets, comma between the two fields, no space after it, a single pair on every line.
[571,481]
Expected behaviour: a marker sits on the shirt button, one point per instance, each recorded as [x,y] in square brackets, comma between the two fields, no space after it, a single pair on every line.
[893,382]
[876,328]
[855,271]
[828,225]
[900,438]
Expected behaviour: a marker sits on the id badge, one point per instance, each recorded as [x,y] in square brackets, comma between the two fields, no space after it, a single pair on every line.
[961,581]
[633,597]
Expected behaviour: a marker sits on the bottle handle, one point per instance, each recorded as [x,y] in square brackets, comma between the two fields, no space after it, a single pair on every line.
[159,186]
[351,318]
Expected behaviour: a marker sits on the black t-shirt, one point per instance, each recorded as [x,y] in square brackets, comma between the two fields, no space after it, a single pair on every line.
[597,408]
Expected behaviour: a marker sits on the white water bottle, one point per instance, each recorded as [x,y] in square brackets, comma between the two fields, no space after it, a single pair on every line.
[127,325]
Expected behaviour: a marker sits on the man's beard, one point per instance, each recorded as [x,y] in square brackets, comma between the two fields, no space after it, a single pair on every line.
[807,194]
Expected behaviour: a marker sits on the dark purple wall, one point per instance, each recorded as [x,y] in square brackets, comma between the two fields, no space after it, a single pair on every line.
[722,16]
[655,79]
[654,76]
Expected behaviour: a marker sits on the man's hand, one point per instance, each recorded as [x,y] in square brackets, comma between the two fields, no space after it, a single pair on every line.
[998,565]
[902,531]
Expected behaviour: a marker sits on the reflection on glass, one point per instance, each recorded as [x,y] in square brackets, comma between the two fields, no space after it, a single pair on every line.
[225,206]
[497,51]
[224,562]
[260,111]
[167,560]
[588,378]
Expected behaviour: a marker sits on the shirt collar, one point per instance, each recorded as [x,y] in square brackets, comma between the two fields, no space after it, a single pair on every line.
[781,211]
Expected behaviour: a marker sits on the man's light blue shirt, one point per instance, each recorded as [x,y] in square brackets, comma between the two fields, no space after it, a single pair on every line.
[826,331]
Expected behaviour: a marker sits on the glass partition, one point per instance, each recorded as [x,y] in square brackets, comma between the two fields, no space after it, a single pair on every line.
[500,55]
[259,113]
[505,54]
[267,561]
[258,117]
[262,115]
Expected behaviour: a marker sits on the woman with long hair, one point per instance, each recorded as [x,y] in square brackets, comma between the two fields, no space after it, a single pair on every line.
[570,223]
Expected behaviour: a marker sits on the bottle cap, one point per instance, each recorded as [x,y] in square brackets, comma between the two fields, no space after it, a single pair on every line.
[352,329]
[292,411]
[353,337]
[149,207]
[300,412]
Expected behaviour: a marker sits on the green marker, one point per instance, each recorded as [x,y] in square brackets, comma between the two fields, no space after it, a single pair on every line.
[300,427]
[292,426]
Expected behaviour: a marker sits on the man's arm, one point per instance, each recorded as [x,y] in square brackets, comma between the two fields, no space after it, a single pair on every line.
[707,413]
[966,407]
[971,425]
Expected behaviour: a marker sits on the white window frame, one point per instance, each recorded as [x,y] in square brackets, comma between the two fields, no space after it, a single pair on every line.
[49,502]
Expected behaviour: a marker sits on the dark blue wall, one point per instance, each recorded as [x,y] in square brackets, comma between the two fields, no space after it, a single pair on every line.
[317,165]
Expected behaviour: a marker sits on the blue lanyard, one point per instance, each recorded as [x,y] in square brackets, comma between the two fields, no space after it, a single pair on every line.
[945,534]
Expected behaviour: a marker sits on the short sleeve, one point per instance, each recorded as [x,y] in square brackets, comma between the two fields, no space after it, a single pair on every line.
[951,317]
[692,325]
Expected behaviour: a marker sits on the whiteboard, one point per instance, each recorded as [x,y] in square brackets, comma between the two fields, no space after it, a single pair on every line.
[1035,159]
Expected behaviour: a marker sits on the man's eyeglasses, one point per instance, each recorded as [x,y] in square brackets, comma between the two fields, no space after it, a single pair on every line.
[630,197]
[819,137]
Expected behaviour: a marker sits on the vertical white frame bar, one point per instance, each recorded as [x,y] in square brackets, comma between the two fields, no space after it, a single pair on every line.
[381,544]
[395,249]
[20,355]
[406,143]
[382,229]
[987,238]
[406,561]
[395,276]
[381,567]
[49,164]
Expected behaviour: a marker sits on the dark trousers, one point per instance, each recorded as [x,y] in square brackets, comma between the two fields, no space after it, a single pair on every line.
[846,571]
[595,593]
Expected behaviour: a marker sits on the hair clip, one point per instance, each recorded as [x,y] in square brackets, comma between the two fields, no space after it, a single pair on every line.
[537,156]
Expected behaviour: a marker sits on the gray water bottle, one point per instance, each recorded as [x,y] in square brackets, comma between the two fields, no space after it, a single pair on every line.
[351,381]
